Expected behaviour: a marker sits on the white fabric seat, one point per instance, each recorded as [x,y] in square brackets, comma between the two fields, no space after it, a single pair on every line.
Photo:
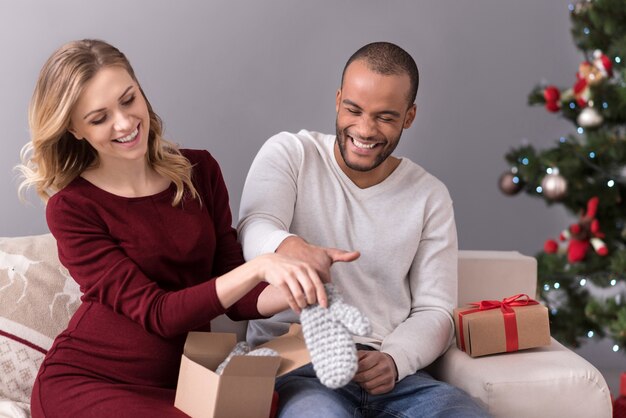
[550,381]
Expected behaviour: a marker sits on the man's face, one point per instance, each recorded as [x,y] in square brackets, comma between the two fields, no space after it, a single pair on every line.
[372,111]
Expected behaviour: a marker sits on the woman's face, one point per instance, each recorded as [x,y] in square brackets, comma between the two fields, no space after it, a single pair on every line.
[112,115]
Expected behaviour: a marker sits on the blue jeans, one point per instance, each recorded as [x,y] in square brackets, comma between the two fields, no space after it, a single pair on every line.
[301,395]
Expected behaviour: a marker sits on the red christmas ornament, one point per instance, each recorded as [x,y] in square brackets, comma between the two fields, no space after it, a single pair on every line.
[583,235]
[602,63]
[552,95]
[590,74]
[581,91]
[550,246]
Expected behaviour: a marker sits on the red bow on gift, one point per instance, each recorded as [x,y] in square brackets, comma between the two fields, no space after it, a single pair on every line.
[510,323]
[521,299]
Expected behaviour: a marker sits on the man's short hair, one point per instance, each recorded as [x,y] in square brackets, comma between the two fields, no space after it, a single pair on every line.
[387,59]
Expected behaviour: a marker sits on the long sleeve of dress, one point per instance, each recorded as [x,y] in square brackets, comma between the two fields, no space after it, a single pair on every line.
[146,259]
[228,251]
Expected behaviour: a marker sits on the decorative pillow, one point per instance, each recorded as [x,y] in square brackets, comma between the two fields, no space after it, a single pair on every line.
[37,299]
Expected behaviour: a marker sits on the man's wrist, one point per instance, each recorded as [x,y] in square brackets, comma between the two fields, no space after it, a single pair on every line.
[287,245]
[395,367]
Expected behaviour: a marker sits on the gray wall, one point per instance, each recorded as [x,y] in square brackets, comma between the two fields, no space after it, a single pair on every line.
[225,75]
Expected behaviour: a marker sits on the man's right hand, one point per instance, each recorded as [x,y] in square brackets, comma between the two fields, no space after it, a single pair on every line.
[320,258]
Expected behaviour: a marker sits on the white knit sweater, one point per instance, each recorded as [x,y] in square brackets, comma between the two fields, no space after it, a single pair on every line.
[405,281]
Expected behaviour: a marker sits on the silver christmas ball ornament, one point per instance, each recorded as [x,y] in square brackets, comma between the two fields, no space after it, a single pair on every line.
[510,183]
[589,117]
[554,185]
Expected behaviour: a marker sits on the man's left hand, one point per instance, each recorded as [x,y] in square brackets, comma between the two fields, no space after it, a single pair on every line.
[377,372]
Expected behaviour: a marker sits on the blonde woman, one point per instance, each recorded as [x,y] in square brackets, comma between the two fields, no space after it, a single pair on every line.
[145,229]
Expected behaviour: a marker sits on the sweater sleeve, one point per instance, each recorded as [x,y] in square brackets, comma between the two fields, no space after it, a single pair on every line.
[428,330]
[228,253]
[269,196]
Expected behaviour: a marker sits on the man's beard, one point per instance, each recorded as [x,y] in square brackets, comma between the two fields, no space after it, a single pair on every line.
[380,158]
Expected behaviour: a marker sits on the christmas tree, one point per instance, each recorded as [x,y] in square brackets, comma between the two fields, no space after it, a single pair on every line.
[582,272]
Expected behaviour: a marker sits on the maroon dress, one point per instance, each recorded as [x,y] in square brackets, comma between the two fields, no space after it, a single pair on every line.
[145,269]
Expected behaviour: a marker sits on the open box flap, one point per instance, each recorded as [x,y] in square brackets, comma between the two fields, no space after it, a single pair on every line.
[292,349]
[209,348]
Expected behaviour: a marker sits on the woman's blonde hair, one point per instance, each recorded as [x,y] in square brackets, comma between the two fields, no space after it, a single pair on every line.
[54,157]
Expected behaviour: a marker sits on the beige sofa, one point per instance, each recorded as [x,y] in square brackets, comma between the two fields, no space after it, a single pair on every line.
[37,298]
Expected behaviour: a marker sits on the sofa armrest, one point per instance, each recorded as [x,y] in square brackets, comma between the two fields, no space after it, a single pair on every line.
[37,299]
[550,381]
[495,275]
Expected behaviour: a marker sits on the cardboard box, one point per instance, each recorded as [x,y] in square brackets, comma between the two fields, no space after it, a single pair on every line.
[245,387]
[484,331]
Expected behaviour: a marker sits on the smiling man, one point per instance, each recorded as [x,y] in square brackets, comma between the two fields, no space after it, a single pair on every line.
[315,196]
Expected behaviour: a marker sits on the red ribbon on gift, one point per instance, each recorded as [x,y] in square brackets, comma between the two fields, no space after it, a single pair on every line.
[510,323]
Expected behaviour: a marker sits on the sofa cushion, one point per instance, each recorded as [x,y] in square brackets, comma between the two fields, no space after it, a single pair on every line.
[37,299]
[550,381]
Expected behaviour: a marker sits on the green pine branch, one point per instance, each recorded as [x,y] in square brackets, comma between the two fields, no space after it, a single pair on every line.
[592,160]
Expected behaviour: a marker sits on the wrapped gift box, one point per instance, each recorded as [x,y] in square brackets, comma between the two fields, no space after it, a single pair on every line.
[490,327]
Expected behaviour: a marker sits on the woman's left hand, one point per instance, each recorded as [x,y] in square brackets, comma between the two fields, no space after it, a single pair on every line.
[298,281]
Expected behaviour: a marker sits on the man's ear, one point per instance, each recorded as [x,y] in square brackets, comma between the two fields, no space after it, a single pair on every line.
[338,100]
[410,116]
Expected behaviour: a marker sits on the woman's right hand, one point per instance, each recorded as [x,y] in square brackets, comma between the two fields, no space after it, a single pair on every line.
[298,282]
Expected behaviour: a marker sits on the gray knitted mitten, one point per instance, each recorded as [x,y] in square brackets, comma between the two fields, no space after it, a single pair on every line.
[327,334]
[243,349]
